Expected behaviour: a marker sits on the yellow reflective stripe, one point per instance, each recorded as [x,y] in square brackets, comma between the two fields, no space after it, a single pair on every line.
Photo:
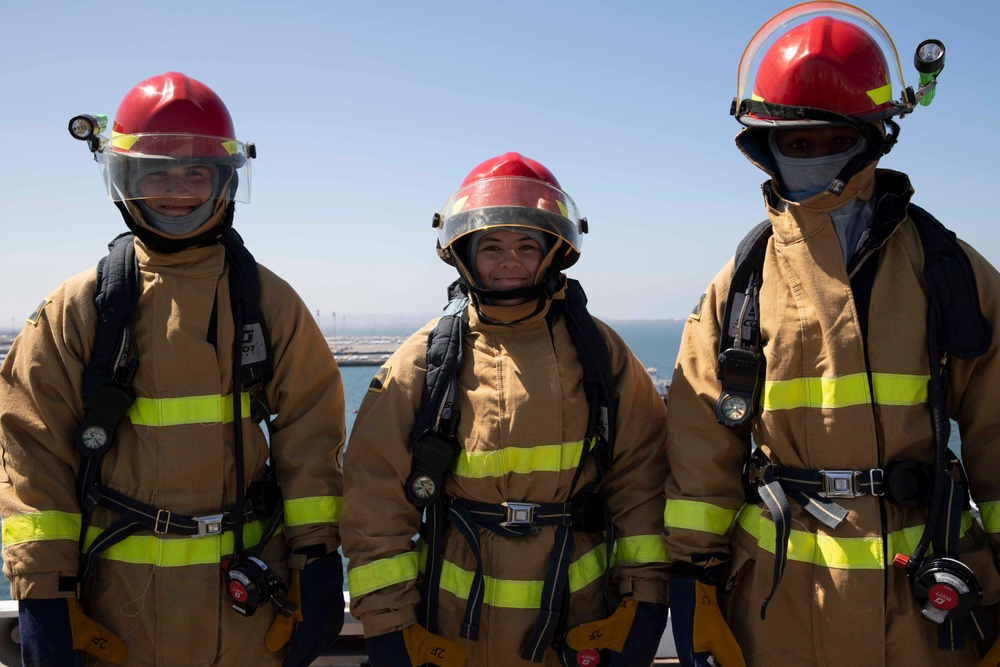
[231,146]
[694,515]
[641,549]
[882,94]
[521,460]
[142,549]
[39,526]
[211,409]
[317,509]
[521,594]
[990,513]
[177,551]
[898,389]
[845,391]
[383,572]
[838,553]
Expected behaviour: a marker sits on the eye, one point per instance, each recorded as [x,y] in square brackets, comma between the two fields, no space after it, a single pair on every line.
[156,177]
[529,247]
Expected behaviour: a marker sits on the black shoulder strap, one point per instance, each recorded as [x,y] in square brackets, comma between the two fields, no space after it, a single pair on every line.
[748,262]
[444,358]
[244,289]
[598,379]
[115,297]
[962,329]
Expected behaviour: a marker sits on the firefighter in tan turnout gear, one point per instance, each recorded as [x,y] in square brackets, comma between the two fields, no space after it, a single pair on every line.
[813,502]
[530,439]
[146,520]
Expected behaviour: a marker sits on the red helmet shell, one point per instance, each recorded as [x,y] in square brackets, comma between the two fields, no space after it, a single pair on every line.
[829,64]
[174,104]
[511,164]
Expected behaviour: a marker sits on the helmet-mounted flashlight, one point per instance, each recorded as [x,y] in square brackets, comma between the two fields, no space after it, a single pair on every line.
[87,128]
[929,61]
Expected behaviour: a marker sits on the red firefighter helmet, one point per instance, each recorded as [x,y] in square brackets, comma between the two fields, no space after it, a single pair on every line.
[510,190]
[826,56]
[174,120]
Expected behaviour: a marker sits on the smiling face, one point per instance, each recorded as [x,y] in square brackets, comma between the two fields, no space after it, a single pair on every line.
[813,142]
[177,192]
[507,260]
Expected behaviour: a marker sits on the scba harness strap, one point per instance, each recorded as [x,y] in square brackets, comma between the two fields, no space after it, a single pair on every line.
[956,326]
[435,448]
[108,396]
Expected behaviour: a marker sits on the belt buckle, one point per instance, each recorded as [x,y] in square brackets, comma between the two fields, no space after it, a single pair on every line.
[210,524]
[839,484]
[519,514]
[162,524]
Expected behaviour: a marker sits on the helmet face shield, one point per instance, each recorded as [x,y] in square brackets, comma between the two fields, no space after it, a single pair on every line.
[174,166]
[820,55]
[510,201]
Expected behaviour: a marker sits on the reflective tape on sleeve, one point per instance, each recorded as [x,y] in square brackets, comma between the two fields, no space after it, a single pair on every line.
[696,515]
[383,573]
[318,509]
[990,513]
[640,549]
[40,526]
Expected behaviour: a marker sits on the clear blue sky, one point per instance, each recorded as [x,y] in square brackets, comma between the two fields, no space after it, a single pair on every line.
[368,115]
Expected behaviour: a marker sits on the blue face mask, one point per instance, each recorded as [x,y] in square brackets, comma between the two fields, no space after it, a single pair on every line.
[801,178]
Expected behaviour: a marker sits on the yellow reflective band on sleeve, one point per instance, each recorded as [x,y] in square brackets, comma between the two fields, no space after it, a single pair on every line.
[212,409]
[382,573]
[990,513]
[39,526]
[520,594]
[177,551]
[882,94]
[641,549]
[844,391]
[695,515]
[837,553]
[519,460]
[318,509]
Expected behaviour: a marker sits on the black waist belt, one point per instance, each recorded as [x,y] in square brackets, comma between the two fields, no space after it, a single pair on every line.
[584,512]
[906,483]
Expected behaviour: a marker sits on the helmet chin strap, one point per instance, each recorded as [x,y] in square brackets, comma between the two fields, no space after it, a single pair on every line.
[542,292]
[166,244]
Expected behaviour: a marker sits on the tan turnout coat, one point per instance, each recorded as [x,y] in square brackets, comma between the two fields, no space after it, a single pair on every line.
[832,402]
[165,595]
[523,419]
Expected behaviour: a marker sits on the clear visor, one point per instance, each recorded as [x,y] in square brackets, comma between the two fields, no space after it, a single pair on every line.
[800,14]
[510,202]
[188,169]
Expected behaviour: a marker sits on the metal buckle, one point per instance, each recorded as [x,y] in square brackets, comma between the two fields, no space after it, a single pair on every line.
[873,482]
[839,484]
[519,514]
[209,525]
[161,520]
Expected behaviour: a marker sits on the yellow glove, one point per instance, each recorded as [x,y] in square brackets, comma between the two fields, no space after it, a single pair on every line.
[91,637]
[609,633]
[280,631]
[426,648]
[992,657]
[713,634]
